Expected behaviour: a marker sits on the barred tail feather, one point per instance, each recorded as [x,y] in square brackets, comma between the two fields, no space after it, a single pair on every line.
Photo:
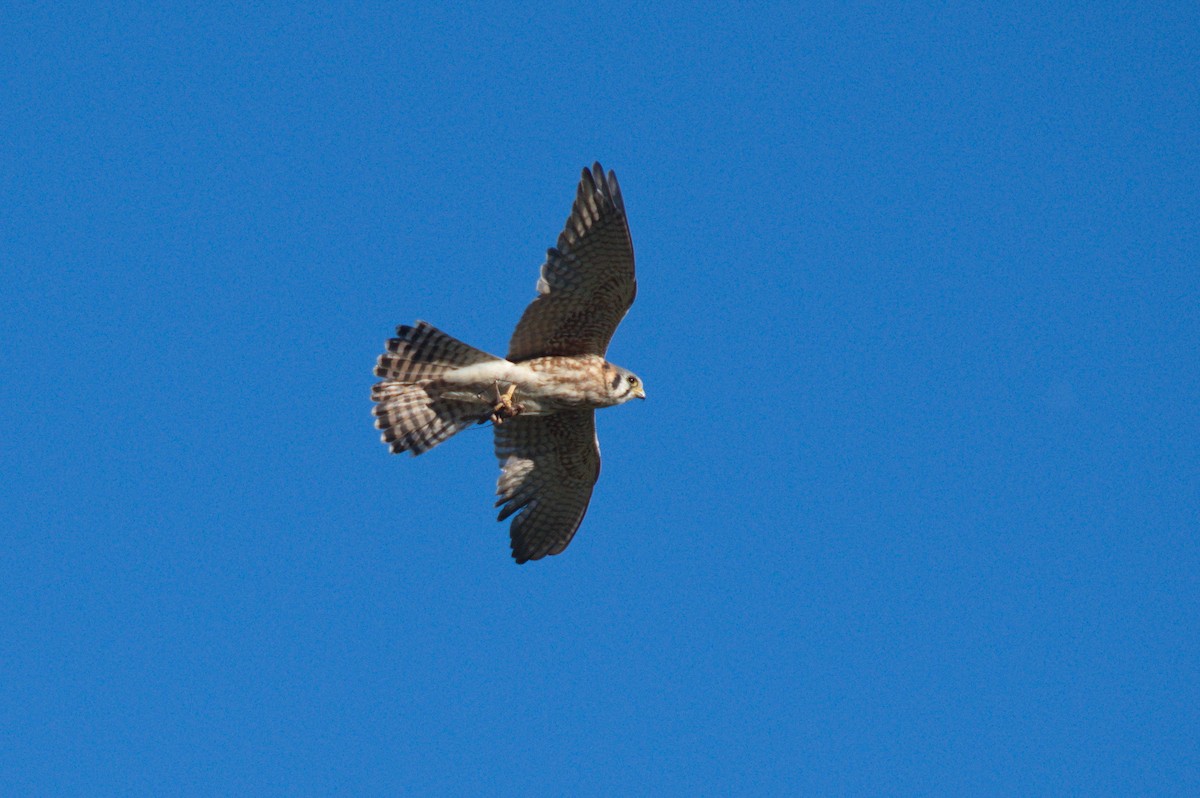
[424,352]
[409,410]
[414,420]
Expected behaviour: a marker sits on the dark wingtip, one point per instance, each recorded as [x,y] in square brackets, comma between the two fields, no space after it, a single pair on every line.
[520,551]
[605,183]
[587,182]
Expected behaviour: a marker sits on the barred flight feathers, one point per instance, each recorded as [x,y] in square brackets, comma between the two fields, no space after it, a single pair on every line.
[587,282]
[548,467]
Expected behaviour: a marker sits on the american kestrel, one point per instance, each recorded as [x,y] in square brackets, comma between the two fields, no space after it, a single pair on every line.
[541,398]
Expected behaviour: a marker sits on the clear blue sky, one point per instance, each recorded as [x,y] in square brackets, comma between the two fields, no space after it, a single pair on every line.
[911,508]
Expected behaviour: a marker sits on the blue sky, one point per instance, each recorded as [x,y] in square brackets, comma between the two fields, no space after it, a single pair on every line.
[911,508]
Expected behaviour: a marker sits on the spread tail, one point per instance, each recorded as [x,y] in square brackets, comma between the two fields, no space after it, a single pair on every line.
[413,417]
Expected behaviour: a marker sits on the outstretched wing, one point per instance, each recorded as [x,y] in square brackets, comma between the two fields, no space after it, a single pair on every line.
[549,465]
[587,282]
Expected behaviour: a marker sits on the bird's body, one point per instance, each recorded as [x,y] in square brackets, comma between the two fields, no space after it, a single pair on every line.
[542,385]
[541,397]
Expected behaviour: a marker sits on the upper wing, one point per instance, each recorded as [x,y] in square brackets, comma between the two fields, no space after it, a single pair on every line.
[587,282]
[548,466]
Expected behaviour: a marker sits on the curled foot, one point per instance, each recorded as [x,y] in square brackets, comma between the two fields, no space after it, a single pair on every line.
[505,408]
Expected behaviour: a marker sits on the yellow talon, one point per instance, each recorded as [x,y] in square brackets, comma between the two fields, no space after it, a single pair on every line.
[504,407]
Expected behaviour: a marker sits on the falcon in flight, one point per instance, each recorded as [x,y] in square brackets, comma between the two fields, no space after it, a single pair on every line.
[541,398]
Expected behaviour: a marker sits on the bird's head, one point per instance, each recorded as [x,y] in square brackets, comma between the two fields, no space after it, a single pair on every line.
[623,384]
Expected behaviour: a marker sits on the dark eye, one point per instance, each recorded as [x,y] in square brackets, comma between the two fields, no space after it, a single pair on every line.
[632,380]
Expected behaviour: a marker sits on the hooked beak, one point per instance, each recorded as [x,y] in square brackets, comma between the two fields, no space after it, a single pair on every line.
[639,392]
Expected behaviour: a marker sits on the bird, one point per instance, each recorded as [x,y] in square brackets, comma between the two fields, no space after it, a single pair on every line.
[542,396]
